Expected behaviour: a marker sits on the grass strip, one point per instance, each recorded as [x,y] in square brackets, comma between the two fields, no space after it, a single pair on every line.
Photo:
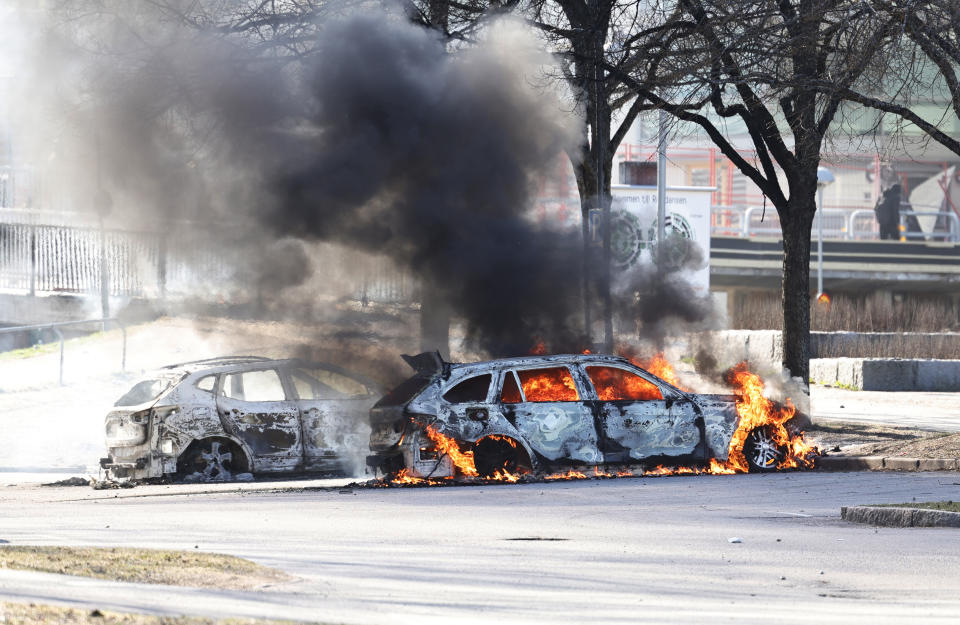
[148,566]
[946,506]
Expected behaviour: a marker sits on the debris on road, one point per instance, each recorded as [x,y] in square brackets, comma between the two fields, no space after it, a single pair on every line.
[70,481]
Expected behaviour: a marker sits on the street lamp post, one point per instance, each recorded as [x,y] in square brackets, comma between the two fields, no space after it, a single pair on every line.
[824,179]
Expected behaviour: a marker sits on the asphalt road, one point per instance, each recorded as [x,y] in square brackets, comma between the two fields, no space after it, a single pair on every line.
[618,551]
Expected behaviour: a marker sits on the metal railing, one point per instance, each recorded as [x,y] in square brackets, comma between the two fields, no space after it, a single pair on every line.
[950,221]
[56,330]
[838,224]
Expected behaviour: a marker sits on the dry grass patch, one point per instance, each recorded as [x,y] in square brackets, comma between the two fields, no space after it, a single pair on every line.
[870,439]
[932,446]
[946,506]
[147,566]
[32,614]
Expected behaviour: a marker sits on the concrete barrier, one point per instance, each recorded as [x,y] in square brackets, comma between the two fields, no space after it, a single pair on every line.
[765,346]
[887,374]
[899,517]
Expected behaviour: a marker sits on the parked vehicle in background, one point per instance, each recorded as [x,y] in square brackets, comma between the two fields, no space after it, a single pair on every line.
[218,418]
[548,413]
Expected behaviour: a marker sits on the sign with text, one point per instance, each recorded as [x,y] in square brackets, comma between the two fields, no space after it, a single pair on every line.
[633,220]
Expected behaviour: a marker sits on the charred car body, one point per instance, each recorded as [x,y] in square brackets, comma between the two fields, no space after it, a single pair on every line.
[545,413]
[214,419]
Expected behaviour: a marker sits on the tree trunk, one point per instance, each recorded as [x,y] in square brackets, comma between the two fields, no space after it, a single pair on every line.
[586,187]
[795,224]
[595,166]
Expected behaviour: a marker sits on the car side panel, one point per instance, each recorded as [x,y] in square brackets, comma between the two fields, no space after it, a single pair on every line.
[651,427]
[270,429]
[720,422]
[557,431]
[333,429]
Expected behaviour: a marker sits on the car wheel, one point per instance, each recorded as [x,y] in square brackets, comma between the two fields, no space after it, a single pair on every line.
[499,453]
[211,461]
[762,451]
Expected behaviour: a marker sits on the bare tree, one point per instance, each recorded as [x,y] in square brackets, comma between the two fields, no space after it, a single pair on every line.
[924,66]
[780,72]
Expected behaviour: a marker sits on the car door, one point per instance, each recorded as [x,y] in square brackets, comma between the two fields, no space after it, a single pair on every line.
[254,407]
[334,409]
[464,405]
[545,405]
[636,420]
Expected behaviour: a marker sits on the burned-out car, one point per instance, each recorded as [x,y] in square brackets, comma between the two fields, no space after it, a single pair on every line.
[214,419]
[548,413]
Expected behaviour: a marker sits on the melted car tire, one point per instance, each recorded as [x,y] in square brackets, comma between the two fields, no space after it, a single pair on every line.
[491,455]
[211,459]
[761,451]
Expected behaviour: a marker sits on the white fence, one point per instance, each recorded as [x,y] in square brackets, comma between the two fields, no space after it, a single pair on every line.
[838,224]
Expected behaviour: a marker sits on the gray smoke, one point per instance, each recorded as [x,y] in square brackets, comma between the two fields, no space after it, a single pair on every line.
[374,136]
[659,296]
[378,139]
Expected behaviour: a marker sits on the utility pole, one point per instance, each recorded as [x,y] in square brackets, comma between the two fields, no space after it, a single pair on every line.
[103,203]
[661,189]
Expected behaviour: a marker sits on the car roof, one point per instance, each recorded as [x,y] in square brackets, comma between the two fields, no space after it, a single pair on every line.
[546,361]
[228,364]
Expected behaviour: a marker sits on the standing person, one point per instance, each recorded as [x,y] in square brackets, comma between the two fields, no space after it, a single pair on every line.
[887,211]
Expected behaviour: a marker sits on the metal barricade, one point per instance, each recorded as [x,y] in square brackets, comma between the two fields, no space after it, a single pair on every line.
[943,226]
[56,330]
[726,221]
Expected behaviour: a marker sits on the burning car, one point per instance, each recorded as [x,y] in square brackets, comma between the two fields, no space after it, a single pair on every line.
[547,413]
[213,419]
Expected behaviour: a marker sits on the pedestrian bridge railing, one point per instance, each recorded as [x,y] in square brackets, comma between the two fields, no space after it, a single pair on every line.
[838,223]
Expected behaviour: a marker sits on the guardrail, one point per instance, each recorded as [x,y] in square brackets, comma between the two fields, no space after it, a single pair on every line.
[838,224]
[56,329]
[950,221]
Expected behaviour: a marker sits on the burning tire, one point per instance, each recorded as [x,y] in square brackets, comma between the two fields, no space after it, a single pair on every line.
[761,450]
[211,460]
[500,454]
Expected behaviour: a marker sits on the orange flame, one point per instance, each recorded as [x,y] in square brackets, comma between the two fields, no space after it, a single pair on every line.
[505,476]
[404,477]
[462,460]
[539,348]
[554,384]
[569,475]
[659,367]
[614,384]
[755,411]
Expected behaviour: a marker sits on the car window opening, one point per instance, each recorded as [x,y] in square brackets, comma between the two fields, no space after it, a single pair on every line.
[262,385]
[207,383]
[326,384]
[546,385]
[309,387]
[613,384]
[470,390]
[144,391]
[511,390]
[403,393]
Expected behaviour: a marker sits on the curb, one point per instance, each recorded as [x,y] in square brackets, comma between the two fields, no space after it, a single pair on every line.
[899,517]
[881,463]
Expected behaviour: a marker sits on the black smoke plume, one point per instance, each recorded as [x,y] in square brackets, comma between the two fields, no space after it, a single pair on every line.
[379,139]
[365,131]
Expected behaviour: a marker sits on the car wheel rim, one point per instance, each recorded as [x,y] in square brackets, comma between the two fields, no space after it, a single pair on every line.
[766,452]
[214,461]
